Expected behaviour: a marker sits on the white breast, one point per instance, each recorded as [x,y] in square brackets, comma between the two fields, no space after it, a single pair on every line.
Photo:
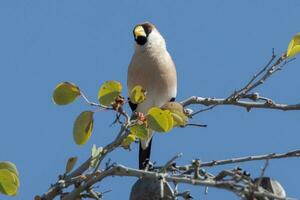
[155,72]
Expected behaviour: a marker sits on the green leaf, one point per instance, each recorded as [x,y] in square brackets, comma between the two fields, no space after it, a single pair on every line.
[137,94]
[159,120]
[83,127]
[65,93]
[108,92]
[177,111]
[96,153]
[294,46]
[140,131]
[9,182]
[10,166]
[70,164]
[128,140]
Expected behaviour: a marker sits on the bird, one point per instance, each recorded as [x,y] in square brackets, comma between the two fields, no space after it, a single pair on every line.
[151,67]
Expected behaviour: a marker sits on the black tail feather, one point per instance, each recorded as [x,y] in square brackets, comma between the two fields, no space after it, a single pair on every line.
[144,155]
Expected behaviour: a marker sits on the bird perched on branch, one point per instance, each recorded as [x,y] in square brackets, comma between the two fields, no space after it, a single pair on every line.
[152,68]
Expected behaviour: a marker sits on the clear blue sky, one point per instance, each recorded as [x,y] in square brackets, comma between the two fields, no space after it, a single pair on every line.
[216,45]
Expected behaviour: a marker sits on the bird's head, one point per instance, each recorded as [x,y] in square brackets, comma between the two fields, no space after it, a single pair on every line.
[147,36]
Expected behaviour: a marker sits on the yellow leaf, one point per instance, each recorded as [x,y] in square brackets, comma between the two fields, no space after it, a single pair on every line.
[83,127]
[9,182]
[140,131]
[294,46]
[159,120]
[180,119]
[173,106]
[170,119]
[177,111]
[128,140]
[137,95]
[108,92]
[10,166]
[70,164]
[65,93]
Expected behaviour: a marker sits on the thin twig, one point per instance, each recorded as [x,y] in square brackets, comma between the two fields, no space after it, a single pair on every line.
[90,102]
[196,125]
[170,162]
[262,173]
[248,86]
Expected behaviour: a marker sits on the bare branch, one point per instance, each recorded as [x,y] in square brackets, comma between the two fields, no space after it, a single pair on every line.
[170,162]
[246,104]
[263,69]
[235,98]
[290,154]
[160,172]
[120,170]
[90,102]
[252,83]
[263,170]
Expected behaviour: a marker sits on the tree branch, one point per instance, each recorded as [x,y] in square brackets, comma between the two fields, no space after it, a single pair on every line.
[120,170]
[271,156]
[245,104]
[183,177]
[257,102]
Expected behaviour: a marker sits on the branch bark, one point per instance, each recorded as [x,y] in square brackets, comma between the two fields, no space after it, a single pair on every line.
[206,101]
[167,173]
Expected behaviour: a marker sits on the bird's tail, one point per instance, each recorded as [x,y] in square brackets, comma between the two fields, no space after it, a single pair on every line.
[144,155]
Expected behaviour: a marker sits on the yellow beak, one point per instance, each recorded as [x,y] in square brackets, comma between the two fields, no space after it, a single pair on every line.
[139,31]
